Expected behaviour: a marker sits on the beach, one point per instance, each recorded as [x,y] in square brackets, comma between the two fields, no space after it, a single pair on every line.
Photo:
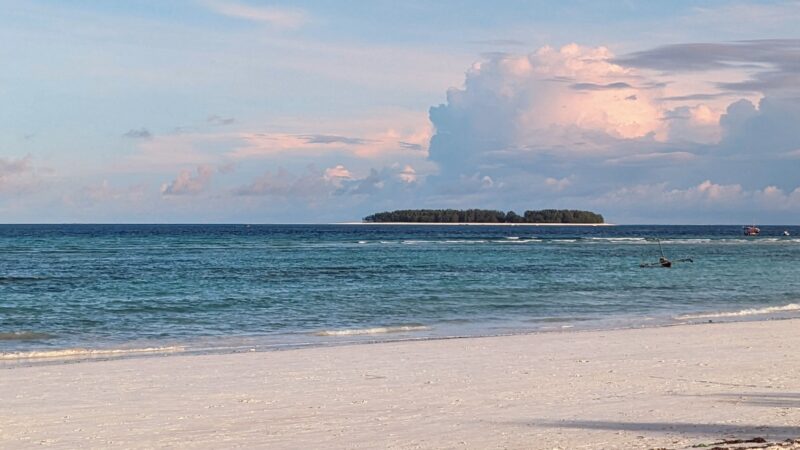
[662,387]
[481,224]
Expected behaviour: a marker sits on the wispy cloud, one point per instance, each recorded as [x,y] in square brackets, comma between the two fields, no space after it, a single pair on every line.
[269,15]
[141,133]
[332,139]
[601,87]
[219,120]
[773,61]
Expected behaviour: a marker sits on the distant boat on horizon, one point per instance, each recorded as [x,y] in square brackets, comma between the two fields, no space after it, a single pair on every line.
[751,230]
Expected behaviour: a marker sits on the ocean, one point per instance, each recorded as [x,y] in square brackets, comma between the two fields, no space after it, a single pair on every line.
[108,290]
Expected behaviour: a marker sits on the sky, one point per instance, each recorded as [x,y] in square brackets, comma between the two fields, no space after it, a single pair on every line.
[217,111]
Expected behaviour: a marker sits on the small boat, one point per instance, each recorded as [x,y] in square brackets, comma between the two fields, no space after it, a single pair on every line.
[662,260]
[751,230]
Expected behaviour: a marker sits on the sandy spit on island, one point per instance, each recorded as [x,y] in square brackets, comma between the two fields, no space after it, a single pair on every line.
[669,387]
[482,224]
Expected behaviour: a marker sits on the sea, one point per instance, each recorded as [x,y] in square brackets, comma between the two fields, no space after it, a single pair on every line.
[104,291]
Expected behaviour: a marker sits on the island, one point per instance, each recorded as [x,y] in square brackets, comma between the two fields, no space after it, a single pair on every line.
[544,216]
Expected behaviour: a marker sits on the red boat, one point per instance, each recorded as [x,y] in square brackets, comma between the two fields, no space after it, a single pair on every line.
[751,230]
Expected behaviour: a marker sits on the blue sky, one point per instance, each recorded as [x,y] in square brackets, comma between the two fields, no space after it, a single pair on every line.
[323,111]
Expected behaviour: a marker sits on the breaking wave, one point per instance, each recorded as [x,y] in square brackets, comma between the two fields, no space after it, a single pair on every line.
[374,330]
[744,312]
[618,239]
[85,353]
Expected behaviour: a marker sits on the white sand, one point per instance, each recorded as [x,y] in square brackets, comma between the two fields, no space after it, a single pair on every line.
[661,387]
[482,224]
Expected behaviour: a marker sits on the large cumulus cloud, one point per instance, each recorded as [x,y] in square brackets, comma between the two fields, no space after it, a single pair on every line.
[578,126]
[547,100]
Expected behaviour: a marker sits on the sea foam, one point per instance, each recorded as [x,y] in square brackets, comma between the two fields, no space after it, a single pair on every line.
[374,330]
[744,312]
[85,353]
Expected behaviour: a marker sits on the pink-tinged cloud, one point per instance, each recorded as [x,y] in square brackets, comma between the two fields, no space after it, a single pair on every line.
[699,123]
[18,176]
[374,145]
[574,100]
[408,174]
[336,175]
[188,183]
[13,167]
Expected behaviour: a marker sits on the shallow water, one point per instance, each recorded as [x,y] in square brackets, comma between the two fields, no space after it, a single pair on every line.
[236,286]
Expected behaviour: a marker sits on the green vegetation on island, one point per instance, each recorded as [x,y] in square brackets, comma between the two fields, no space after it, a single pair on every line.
[485,216]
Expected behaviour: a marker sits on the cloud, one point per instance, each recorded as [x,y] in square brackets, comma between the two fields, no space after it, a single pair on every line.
[607,121]
[187,183]
[568,127]
[378,145]
[690,97]
[601,87]
[310,185]
[369,185]
[559,184]
[704,195]
[141,133]
[12,167]
[410,145]
[336,175]
[313,186]
[768,129]
[698,123]
[574,98]
[773,62]
[19,176]
[706,199]
[649,158]
[331,139]
[713,56]
[217,120]
[408,174]
[269,15]
[774,198]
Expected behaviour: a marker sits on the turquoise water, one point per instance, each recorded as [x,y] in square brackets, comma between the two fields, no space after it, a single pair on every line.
[237,286]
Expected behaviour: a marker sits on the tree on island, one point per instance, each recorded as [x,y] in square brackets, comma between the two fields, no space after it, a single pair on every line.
[485,216]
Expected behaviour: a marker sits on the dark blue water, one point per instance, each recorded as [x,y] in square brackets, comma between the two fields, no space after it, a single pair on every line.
[200,286]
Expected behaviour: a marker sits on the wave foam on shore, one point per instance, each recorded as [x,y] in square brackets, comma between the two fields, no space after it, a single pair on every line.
[744,312]
[374,330]
[85,353]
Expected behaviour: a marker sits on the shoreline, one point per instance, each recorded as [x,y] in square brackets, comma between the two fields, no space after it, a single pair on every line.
[670,387]
[346,337]
[482,224]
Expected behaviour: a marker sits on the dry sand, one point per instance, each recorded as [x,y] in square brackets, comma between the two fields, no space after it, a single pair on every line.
[669,387]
